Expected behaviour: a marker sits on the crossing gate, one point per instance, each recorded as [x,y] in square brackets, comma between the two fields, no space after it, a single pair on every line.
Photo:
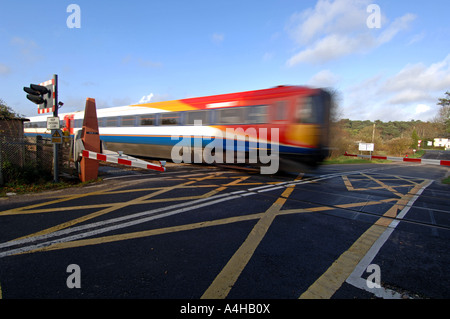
[403,159]
[87,150]
[120,158]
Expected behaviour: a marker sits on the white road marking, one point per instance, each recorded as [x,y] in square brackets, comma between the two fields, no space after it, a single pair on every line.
[355,277]
[142,217]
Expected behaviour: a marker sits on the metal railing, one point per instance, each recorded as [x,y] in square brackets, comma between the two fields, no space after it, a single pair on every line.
[29,158]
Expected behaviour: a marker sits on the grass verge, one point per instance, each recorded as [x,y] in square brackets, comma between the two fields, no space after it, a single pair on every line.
[353,160]
[22,188]
[446,180]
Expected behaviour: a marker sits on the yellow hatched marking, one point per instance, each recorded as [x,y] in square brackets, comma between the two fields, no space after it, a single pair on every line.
[389,188]
[161,231]
[225,280]
[327,284]
[324,287]
[348,184]
[116,206]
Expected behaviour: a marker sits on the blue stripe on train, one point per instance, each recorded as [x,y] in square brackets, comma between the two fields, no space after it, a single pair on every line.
[196,141]
[168,141]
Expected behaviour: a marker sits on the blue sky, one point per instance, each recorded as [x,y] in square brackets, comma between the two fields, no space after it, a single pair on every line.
[131,51]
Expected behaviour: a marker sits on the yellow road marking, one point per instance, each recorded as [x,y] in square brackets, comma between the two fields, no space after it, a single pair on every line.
[324,208]
[225,280]
[327,284]
[324,287]
[347,183]
[112,208]
[389,188]
[98,213]
[350,186]
[161,231]
[21,210]
[30,210]
[146,233]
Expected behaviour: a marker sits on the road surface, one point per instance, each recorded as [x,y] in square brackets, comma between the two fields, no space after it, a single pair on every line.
[205,232]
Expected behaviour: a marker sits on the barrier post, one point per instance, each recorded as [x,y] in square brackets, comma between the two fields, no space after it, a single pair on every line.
[91,141]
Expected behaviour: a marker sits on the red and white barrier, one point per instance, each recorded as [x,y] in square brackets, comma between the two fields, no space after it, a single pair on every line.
[124,160]
[403,159]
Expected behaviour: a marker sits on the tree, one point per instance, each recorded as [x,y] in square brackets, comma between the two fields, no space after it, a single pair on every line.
[415,139]
[445,101]
[443,117]
[6,112]
[399,146]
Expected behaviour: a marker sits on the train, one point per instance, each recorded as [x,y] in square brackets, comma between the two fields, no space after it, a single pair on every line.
[289,122]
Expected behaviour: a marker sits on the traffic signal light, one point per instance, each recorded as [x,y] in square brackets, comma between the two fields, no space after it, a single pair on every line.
[37,94]
[44,95]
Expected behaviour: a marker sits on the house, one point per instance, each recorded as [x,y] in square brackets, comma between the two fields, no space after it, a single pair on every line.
[11,127]
[442,142]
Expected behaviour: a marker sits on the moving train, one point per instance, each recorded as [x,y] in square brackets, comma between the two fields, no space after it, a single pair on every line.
[291,121]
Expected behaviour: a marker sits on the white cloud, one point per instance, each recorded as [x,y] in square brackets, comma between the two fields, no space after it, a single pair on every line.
[140,62]
[408,96]
[146,98]
[328,17]
[333,29]
[417,38]
[217,38]
[324,78]
[329,48]
[395,27]
[422,108]
[268,56]
[419,80]
[4,69]
[151,98]
[28,49]
[410,93]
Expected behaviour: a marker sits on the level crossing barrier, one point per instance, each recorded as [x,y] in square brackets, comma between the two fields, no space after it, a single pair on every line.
[403,159]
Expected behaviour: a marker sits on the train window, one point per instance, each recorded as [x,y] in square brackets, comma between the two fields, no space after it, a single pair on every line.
[78,123]
[40,124]
[147,119]
[170,118]
[128,120]
[305,110]
[256,114]
[231,116]
[192,116]
[111,121]
[281,111]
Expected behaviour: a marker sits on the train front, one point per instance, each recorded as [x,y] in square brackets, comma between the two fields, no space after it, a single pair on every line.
[308,133]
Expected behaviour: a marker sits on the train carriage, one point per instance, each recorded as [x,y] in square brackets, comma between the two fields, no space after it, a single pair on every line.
[298,116]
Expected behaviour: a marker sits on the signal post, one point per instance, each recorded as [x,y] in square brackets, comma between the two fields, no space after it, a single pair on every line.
[45,95]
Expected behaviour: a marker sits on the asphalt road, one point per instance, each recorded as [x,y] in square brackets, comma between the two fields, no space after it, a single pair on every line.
[204,232]
[436,154]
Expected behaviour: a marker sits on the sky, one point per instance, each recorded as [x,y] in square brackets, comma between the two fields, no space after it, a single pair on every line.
[386,60]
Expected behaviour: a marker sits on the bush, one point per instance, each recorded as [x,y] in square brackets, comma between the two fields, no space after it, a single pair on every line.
[399,146]
[28,174]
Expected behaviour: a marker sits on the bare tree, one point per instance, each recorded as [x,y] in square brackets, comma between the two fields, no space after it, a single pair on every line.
[443,117]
